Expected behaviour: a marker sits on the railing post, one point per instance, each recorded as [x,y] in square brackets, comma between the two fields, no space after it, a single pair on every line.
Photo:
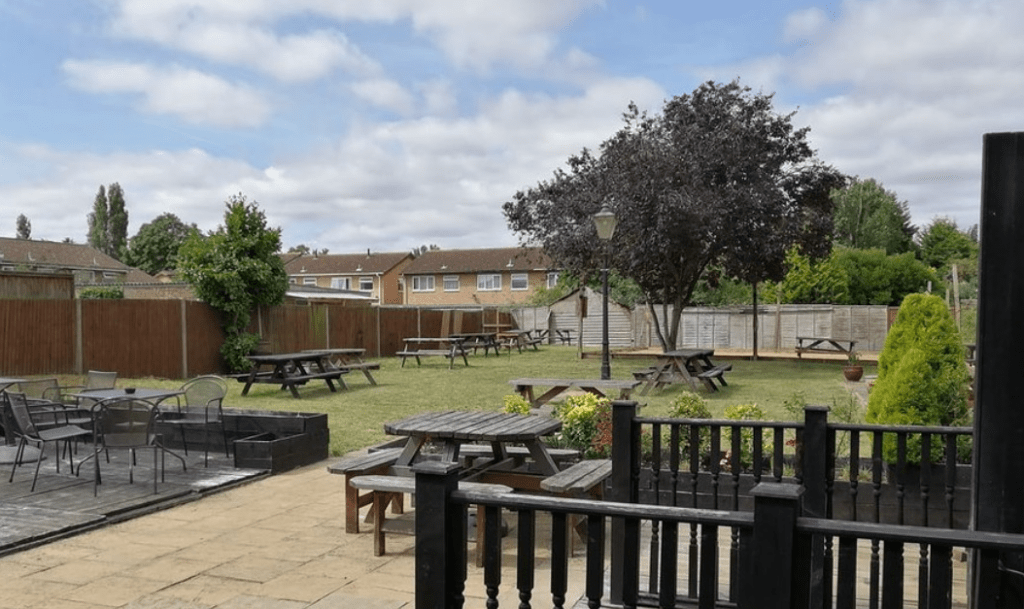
[814,461]
[624,489]
[440,537]
[772,574]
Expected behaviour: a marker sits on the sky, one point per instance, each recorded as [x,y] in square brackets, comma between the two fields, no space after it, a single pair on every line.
[391,124]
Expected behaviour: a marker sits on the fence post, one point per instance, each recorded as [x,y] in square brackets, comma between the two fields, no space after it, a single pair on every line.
[772,573]
[440,537]
[624,489]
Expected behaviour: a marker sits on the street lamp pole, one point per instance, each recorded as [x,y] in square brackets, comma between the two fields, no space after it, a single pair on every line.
[605,222]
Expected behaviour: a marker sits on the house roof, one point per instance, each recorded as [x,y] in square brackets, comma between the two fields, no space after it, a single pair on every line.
[480,260]
[370,263]
[70,256]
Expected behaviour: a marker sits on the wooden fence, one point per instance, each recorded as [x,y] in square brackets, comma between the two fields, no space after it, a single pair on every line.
[180,339]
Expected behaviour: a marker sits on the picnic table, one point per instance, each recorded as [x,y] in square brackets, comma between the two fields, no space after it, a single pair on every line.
[689,366]
[479,340]
[348,359]
[564,335]
[448,346]
[453,429]
[289,370]
[823,344]
[597,387]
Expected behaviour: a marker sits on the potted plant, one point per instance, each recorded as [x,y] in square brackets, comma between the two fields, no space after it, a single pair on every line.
[853,371]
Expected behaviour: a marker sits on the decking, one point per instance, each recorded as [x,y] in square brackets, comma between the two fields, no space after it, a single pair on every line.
[63,504]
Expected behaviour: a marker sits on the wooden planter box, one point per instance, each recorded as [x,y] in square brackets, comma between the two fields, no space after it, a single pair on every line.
[272,440]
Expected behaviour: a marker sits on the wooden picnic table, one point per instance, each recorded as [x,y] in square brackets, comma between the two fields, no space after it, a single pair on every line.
[348,359]
[823,344]
[689,366]
[564,335]
[289,370]
[479,340]
[455,428]
[447,346]
[598,387]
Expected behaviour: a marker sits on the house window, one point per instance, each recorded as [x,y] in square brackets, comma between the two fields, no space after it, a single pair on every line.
[366,284]
[341,283]
[552,280]
[422,283]
[451,283]
[309,281]
[291,280]
[488,283]
[520,281]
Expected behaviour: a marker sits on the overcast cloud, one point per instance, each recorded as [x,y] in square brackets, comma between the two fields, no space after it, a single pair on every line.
[395,123]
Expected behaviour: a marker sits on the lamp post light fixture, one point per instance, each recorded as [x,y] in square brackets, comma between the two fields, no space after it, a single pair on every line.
[605,222]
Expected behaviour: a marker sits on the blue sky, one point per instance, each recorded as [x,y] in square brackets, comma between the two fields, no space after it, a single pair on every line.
[390,124]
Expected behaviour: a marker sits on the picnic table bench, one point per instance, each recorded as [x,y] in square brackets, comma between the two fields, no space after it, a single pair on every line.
[455,349]
[348,359]
[289,370]
[598,387]
[374,462]
[822,344]
[385,490]
[584,479]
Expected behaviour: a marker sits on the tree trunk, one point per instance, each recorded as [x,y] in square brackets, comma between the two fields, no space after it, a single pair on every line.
[754,286]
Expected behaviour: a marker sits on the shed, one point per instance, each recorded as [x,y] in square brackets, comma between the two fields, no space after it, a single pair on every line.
[581,312]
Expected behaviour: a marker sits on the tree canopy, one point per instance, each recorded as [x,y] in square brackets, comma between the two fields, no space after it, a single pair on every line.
[24,227]
[155,247]
[943,242]
[868,216]
[108,222]
[717,178]
[235,269]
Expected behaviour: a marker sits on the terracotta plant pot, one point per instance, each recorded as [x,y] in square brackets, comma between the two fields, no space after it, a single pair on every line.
[853,373]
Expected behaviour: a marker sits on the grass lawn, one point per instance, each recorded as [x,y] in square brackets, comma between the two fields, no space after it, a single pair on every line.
[356,416]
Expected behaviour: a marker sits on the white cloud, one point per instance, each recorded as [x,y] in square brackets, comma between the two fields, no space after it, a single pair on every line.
[917,83]
[240,33]
[385,93]
[190,95]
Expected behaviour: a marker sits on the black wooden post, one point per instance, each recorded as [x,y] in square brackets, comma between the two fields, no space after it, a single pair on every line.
[624,489]
[815,462]
[440,537]
[998,497]
[771,573]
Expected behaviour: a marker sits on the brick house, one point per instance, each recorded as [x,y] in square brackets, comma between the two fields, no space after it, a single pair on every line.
[501,276]
[89,266]
[372,273]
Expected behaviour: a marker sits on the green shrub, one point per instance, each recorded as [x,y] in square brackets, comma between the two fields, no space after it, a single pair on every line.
[586,424]
[689,405]
[114,292]
[516,404]
[922,376]
[746,412]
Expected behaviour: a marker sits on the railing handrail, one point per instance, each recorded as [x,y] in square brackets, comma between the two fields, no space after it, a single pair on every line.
[514,501]
[960,538]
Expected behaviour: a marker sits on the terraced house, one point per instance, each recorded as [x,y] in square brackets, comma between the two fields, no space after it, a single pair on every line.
[373,273]
[500,276]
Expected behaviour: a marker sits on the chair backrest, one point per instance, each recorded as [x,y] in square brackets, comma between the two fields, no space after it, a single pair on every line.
[96,379]
[19,408]
[124,422]
[40,389]
[206,392]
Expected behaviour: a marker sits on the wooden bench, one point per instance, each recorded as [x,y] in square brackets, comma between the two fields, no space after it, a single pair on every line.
[365,367]
[645,373]
[583,479]
[386,490]
[448,353]
[374,462]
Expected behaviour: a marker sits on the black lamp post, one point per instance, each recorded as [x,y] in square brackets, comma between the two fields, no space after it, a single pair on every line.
[605,222]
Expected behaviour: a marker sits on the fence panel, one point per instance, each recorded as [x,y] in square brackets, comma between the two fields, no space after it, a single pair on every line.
[203,339]
[134,337]
[38,336]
